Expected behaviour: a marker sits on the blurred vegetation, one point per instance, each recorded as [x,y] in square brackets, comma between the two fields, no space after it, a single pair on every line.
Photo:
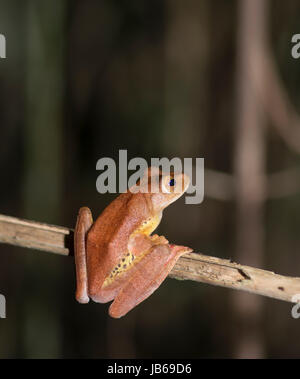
[83,79]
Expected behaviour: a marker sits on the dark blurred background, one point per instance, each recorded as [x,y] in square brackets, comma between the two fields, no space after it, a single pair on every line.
[193,78]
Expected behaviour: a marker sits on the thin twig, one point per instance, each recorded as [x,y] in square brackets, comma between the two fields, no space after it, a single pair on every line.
[191,266]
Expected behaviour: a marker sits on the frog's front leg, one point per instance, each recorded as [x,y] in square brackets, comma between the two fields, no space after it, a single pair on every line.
[139,243]
[149,273]
[83,224]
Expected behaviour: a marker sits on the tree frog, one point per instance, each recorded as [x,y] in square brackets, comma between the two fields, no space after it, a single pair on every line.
[117,257]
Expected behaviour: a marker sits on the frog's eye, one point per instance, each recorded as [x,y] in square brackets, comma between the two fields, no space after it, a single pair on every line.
[168,184]
[172,183]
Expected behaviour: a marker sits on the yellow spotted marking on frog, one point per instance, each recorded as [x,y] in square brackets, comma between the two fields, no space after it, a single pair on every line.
[124,264]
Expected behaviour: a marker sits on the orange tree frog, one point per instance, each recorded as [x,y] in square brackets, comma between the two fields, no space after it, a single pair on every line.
[116,257]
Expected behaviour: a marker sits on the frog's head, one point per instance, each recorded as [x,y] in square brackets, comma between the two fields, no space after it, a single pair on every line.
[166,188]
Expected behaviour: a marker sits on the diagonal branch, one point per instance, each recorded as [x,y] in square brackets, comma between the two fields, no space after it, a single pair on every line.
[191,266]
[275,100]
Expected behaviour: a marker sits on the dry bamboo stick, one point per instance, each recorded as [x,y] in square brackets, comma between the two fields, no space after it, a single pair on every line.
[191,266]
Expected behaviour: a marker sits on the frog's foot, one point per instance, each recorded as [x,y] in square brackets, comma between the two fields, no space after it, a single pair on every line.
[158,240]
[140,243]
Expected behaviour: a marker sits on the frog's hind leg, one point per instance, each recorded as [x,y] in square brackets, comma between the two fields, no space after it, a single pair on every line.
[139,244]
[83,224]
[149,274]
[105,295]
